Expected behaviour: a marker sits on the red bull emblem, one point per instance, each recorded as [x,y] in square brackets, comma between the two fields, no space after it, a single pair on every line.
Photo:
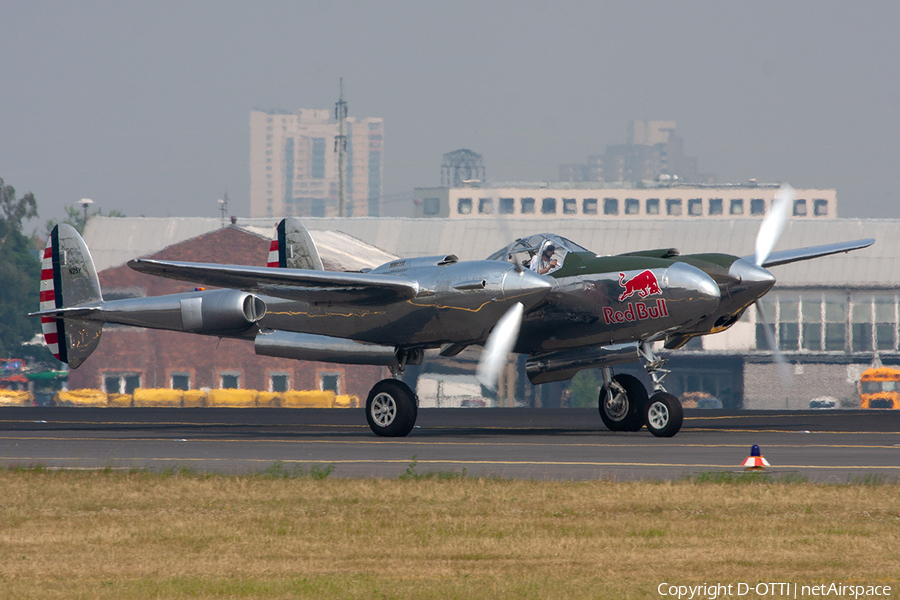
[643,284]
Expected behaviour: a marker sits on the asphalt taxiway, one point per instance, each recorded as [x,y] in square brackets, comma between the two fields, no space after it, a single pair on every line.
[832,446]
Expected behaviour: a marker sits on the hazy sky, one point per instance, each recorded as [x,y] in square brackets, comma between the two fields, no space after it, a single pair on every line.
[144,107]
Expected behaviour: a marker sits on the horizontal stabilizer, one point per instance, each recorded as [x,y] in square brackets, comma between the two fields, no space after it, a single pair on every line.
[788,256]
[291,284]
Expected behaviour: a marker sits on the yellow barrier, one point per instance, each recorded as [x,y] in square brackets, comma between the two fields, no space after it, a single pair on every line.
[232,398]
[346,401]
[16,398]
[85,397]
[166,398]
[162,398]
[119,400]
[269,399]
[194,399]
[312,399]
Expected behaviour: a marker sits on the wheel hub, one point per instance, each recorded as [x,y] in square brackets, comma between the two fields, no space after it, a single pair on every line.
[657,415]
[384,409]
[616,404]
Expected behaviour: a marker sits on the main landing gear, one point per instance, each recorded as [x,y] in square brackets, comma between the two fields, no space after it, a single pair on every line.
[625,405]
[392,407]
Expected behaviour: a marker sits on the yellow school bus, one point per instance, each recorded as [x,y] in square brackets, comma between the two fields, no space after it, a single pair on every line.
[880,388]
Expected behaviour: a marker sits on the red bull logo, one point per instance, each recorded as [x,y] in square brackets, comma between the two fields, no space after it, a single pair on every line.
[643,284]
[636,311]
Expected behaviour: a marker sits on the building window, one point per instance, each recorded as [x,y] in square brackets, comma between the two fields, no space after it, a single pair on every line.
[230,380]
[121,383]
[820,207]
[589,206]
[507,206]
[632,206]
[485,206]
[652,206]
[181,381]
[570,206]
[800,207]
[464,206]
[431,206]
[737,207]
[279,382]
[715,206]
[885,322]
[673,206]
[330,382]
[610,206]
[548,206]
[695,207]
[527,206]
[757,206]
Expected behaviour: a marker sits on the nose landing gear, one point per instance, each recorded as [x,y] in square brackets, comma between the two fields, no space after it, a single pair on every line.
[625,405]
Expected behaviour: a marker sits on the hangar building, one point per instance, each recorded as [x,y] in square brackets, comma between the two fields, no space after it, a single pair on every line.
[832,315]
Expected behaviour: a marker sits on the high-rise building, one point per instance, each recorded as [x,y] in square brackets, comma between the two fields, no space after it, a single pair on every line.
[653,152]
[294,164]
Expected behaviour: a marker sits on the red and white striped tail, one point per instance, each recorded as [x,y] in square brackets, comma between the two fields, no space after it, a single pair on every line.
[273,254]
[48,301]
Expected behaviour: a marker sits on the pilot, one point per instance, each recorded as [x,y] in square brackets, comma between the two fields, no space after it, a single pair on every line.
[542,263]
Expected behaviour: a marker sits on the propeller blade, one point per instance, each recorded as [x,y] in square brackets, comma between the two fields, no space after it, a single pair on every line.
[498,346]
[784,372]
[773,224]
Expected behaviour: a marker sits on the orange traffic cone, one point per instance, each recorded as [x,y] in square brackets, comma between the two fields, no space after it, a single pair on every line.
[755,462]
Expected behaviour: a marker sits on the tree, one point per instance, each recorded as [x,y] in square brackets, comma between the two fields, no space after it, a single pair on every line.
[75,218]
[20,273]
[14,211]
[584,389]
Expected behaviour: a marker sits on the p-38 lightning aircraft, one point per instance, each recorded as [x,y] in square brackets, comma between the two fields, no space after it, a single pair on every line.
[568,309]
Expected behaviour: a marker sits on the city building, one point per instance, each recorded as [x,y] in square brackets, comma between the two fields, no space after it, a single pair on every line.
[652,152]
[655,201]
[294,164]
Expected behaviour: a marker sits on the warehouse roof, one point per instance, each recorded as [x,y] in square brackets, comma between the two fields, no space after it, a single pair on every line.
[115,240]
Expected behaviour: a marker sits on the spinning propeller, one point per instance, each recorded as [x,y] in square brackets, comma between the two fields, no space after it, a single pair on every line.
[769,231]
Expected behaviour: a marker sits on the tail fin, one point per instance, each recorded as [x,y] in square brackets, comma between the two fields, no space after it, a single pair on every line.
[68,278]
[293,248]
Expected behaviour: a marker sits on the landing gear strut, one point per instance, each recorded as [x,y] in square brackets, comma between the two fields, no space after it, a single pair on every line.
[624,405]
[663,413]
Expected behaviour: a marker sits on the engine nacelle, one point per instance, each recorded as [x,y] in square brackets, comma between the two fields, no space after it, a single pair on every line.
[564,364]
[306,346]
[210,312]
[221,310]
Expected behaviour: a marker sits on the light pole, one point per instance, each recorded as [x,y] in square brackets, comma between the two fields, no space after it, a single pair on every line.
[85,202]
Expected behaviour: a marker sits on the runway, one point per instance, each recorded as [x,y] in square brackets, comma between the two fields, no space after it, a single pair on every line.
[572,444]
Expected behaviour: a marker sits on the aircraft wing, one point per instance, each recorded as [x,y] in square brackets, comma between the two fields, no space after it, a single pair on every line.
[788,256]
[291,284]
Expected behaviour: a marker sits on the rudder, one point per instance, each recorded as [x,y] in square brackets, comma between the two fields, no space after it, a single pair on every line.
[68,278]
[293,248]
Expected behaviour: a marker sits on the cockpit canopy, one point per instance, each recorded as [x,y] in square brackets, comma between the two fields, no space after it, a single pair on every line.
[528,251]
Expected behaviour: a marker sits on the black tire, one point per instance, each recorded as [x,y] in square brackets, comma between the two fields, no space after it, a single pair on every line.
[391,408]
[626,412]
[664,414]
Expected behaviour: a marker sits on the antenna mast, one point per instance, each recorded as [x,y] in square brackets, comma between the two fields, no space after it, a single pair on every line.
[340,145]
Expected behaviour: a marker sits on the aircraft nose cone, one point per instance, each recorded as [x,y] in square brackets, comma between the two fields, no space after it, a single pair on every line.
[693,285]
[754,281]
[752,277]
[525,286]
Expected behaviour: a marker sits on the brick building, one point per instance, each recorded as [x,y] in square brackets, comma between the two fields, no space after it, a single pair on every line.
[130,357]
